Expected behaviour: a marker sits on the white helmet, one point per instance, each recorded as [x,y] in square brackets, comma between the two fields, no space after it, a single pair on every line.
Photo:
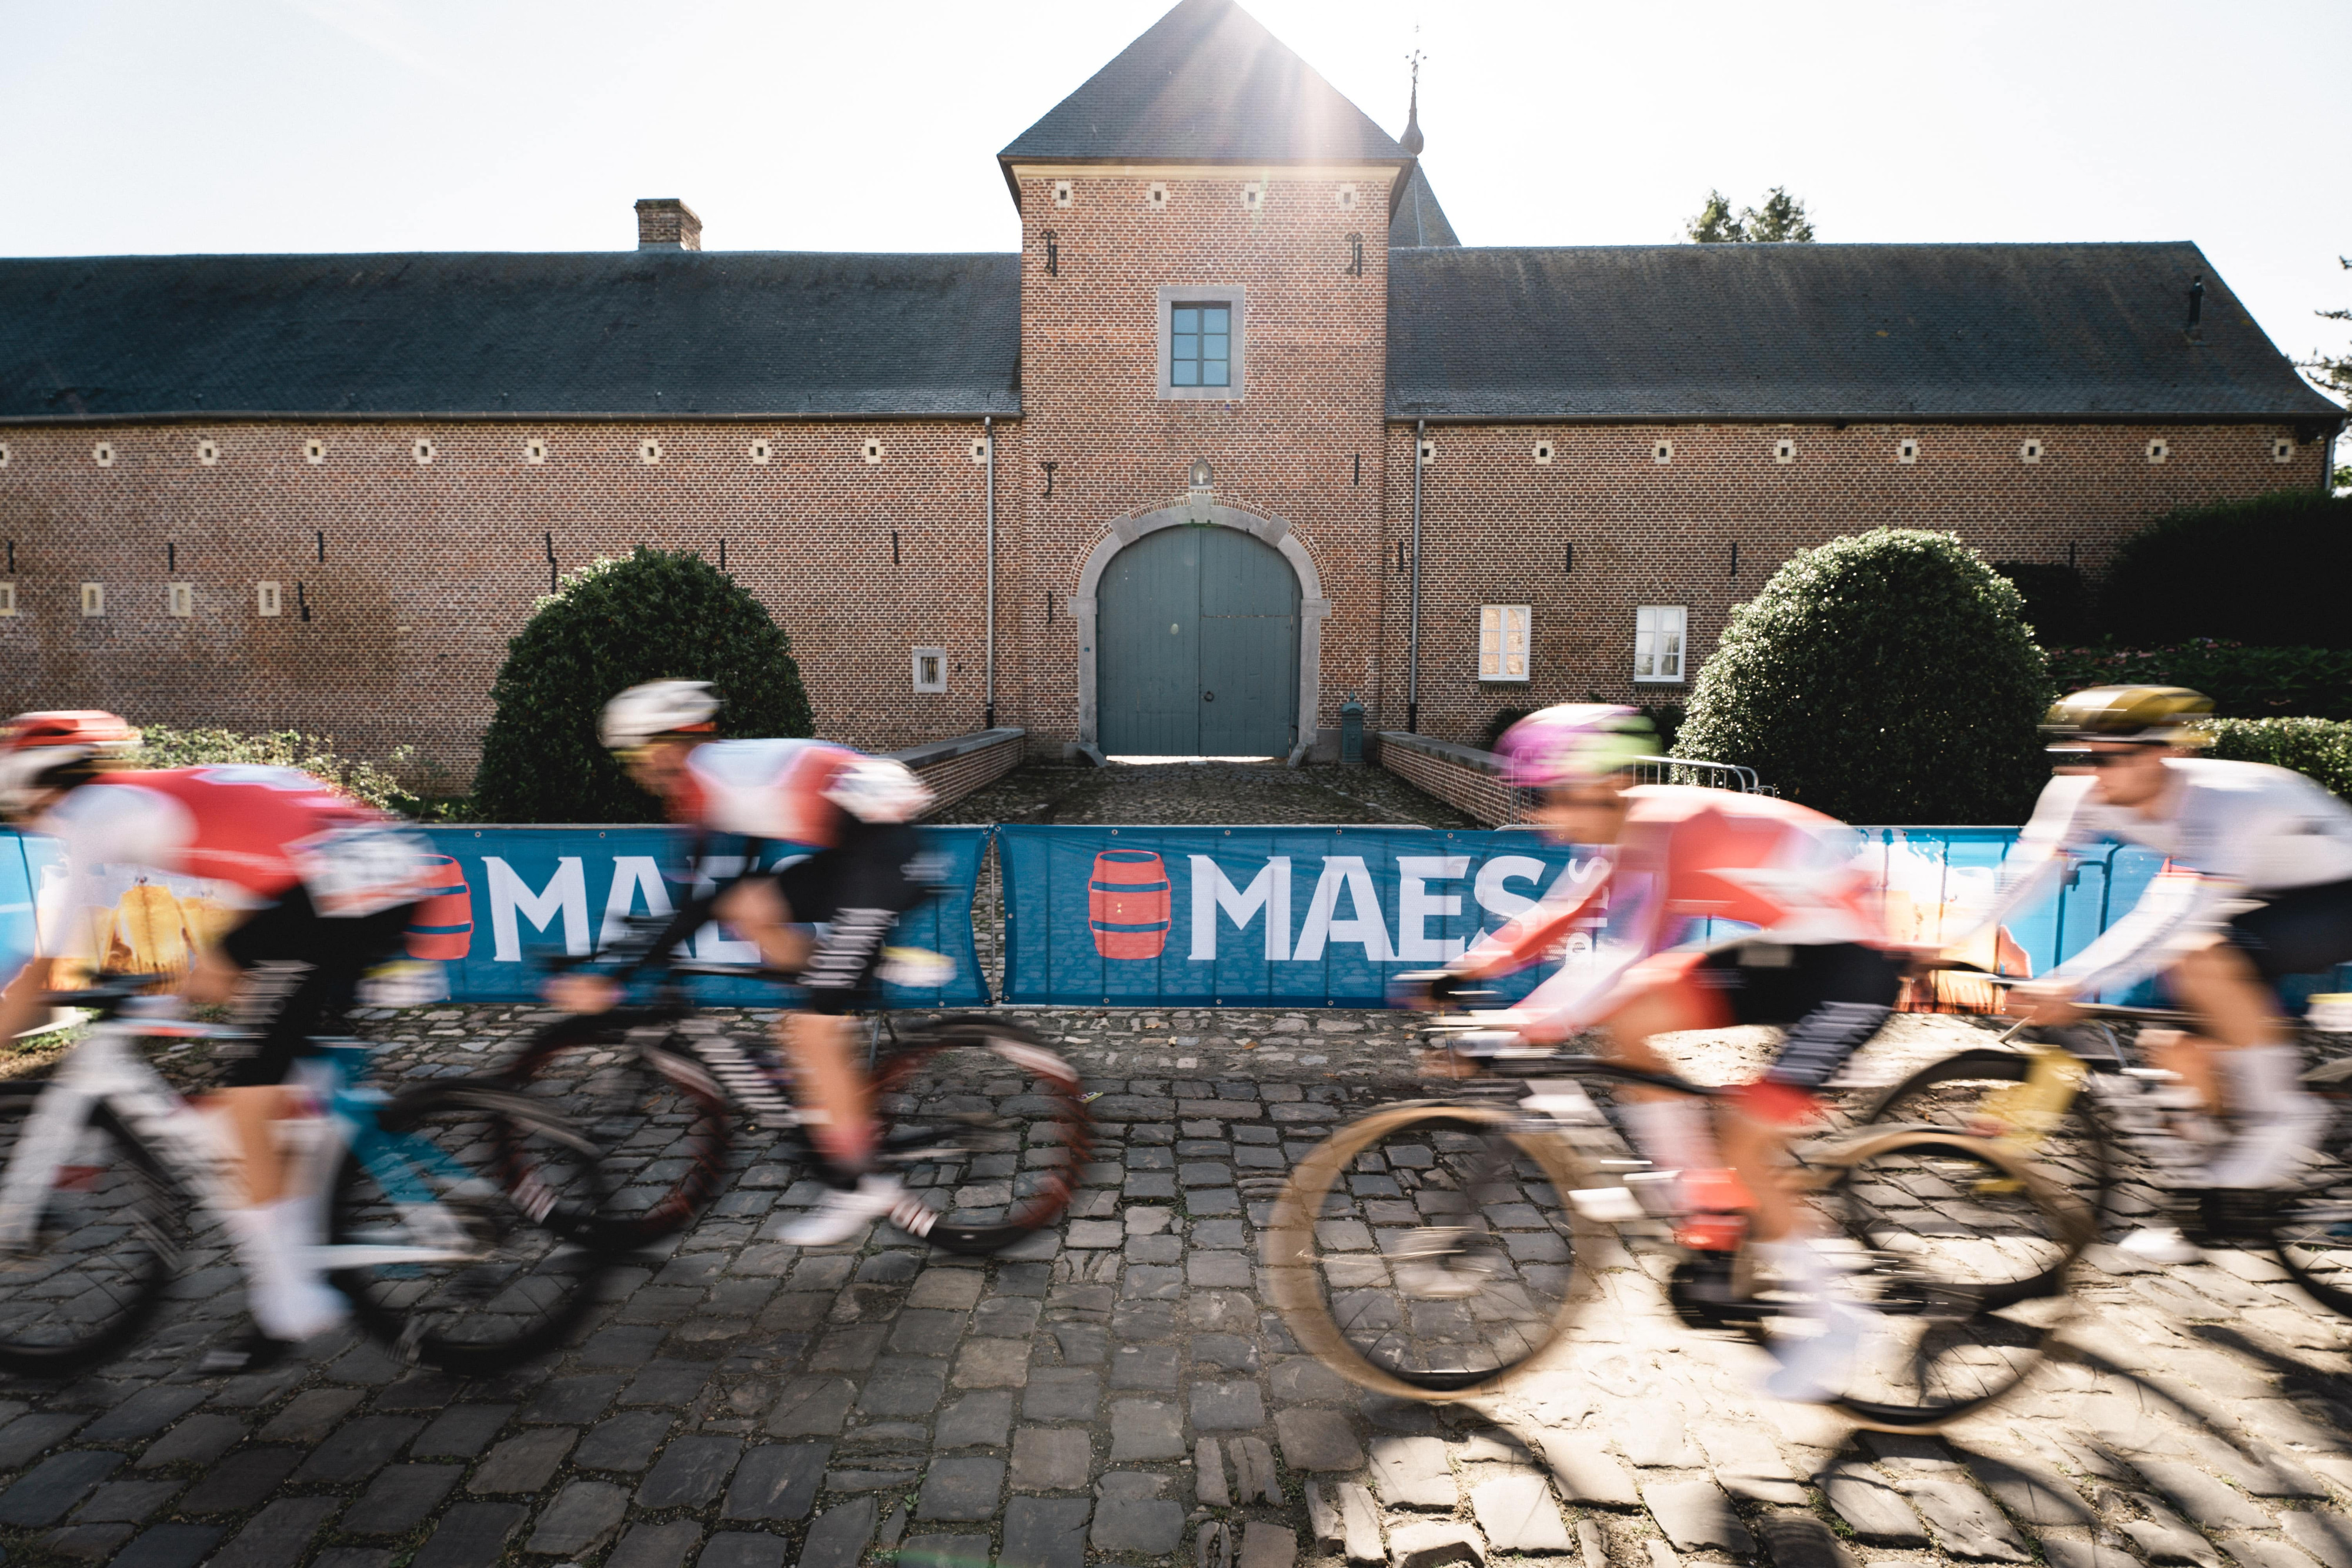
[645,713]
[877,790]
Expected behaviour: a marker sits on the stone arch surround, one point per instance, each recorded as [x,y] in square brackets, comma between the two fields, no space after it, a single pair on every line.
[1314,609]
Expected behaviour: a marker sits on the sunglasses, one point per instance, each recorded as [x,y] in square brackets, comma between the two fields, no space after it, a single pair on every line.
[2093,759]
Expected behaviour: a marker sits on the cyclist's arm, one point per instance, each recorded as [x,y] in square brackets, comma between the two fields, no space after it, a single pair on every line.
[2179,901]
[1527,937]
[2037,862]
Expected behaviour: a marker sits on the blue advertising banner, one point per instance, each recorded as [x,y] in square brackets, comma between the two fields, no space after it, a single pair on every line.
[1308,916]
[514,892]
[568,890]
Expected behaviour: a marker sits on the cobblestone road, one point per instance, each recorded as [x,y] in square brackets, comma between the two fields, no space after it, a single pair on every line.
[1120,1392]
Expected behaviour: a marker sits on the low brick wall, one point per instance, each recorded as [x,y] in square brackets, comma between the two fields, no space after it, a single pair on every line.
[1461,776]
[955,768]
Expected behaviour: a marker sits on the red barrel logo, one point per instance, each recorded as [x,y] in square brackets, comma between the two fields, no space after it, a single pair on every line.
[1128,904]
[442,924]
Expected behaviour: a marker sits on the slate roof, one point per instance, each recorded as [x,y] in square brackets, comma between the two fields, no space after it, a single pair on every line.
[651,333]
[1418,219]
[1858,333]
[1205,84]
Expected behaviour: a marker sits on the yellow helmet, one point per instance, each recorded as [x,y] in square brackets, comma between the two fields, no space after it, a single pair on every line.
[2162,715]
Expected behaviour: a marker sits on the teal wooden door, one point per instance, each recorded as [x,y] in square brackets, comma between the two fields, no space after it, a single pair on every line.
[1198,651]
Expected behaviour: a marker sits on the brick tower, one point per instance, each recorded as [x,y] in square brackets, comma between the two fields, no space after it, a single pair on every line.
[1207,178]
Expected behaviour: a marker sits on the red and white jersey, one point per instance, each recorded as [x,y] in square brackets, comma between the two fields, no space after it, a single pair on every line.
[763,789]
[1687,854]
[257,832]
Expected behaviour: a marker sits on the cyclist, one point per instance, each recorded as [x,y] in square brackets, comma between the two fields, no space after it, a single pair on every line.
[869,868]
[2230,832]
[1818,963]
[323,887]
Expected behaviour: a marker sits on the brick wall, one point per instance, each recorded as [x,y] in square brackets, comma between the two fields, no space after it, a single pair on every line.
[1496,525]
[955,768]
[1464,777]
[430,567]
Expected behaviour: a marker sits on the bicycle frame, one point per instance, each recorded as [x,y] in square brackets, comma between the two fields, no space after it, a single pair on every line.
[107,1069]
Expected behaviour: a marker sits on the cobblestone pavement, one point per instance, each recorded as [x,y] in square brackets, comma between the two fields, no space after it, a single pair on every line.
[1227,793]
[1119,1391]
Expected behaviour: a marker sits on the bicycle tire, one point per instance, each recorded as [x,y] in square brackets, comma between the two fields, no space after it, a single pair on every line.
[524,1188]
[1990,1348]
[2310,1227]
[122,1214]
[944,1100]
[1301,1278]
[2087,1135]
[623,1108]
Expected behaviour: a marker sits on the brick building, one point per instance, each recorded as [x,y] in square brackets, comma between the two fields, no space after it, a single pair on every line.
[323,490]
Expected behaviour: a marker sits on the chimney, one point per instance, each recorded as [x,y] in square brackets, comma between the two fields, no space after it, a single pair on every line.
[664,223]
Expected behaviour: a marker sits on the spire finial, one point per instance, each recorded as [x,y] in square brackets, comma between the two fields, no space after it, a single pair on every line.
[1413,141]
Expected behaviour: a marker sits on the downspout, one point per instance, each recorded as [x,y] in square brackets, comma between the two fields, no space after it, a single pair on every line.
[1412,618]
[988,440]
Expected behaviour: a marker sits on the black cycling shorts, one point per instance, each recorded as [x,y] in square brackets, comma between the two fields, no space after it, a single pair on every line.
[857,890]
[301,972]
[1831,998]
[2303,931]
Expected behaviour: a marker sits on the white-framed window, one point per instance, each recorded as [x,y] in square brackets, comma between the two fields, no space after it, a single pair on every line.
[424,451]
[93,599]
[2158,450]
[1201,356]
[314,452]
[930,669]
[1907,450]
[7,599]
[208,453]
[103,454]
[1063,193]
[1542,453]
[1662,452]
[4,455]
[1502,642]
[1658,642]
[649,452]
[180,600]
[1784,450]
[534,450]
[2030,452]
[264,599]
[870,449]
[980,450]
[2282,450]
[1346,198]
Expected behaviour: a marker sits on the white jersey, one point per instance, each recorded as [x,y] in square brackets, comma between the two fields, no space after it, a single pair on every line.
[793,789]
[2227,831]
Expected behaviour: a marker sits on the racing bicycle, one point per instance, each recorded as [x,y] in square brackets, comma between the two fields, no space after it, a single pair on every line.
[1431,1249]
[986,1123]
[2123,1137]
[458,1218]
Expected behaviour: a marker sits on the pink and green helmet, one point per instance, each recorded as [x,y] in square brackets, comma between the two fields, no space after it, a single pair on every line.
[1575,742]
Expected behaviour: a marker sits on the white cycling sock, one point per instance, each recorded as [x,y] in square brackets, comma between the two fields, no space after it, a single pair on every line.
[2263,1079]
[288,1298]
[1675,1134]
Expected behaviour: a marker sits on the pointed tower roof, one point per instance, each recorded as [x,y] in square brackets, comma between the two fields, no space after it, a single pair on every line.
[1206,83]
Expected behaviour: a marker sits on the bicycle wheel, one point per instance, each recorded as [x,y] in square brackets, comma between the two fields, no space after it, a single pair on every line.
[2311,1226]
[1984,1092]
[1427,1251]
[93,1271]
[1952,1225]
[662,1119]
[471,1215]
[986,1124]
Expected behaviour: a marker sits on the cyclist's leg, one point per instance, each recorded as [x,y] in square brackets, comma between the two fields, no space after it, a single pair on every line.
[2226,981]
[1662,996]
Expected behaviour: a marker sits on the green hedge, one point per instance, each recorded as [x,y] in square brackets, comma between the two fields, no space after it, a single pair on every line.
[2059,605]
[2245,683]
[2270,571]
[2317,747]
[657,615]
[161,746]
[1884,677]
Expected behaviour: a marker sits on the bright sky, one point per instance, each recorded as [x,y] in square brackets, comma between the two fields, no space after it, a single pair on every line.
[330,125]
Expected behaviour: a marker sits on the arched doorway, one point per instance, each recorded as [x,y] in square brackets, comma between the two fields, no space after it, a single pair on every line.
[1199,646]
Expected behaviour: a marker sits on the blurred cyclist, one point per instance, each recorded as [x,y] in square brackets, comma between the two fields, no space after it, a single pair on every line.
[2230,832]
[323,886]
[868,869]
[1818,966]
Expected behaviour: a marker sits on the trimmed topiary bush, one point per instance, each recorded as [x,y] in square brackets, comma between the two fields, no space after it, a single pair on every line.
[659,614]
[1883,678]
[2268,571]
[2310,746]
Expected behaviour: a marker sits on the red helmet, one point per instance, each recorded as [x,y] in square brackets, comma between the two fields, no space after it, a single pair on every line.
[33,744]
